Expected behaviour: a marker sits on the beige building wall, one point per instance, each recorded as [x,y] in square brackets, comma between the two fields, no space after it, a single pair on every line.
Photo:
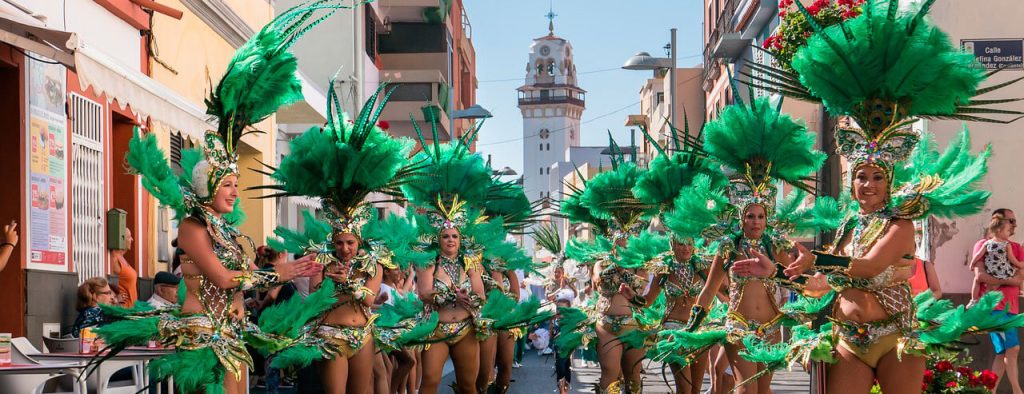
[952,240]
[198,56]
[690,102]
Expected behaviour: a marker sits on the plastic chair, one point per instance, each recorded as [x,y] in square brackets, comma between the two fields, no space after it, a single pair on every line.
[61,345]
[21,353]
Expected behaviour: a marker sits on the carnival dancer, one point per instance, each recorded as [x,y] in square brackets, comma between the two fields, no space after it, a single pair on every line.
[210,331]
[680,272]
[508,202]
[609,198]
[341,164]
[758,144]
[451,181]
[867,69]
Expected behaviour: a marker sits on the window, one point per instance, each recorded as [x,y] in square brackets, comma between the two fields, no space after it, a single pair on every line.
[371,32]
[549,146]
[544,134]
[412,91]
[542,171]
[541,147]
[88,232]
[659,98]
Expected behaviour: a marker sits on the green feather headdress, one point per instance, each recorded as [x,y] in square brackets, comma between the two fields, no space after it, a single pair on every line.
[643,250]
[672,170]
[344,162]
[576,210]
[609,196]
[871,68]
[546,236]
[451,183]
[259,79]
[508,201]
[761,144]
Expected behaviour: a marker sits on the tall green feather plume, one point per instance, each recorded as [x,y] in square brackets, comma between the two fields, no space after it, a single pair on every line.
[879,55]
[699,206]
[681,347]
[145,158]
[521,314]
[960,172]
[315,233]
[261,76]
[546,236]
[641,250]
[346,161]
[450,170]
[942,324]
[758,138]
[193,370]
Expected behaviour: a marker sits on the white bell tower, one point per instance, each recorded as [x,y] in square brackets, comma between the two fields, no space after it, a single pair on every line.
[551,104]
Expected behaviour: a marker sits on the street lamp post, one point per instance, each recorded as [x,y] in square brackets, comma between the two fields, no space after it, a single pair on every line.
[644,61]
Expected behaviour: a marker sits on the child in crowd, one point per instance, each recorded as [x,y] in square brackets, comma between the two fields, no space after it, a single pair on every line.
[563,364]
[996,256]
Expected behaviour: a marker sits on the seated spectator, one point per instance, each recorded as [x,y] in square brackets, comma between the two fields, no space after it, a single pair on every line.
[165,290]
[92,293]
[127,277]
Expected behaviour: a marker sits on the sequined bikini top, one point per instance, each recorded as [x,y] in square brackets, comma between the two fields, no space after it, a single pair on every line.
[447,292]
[611,277]
[737,284]
[216,302]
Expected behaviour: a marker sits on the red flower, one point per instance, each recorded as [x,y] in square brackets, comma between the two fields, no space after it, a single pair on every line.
[924,387]
[928,376]
[785,3]
[964,371]
[782,14]
[943,366]
[951,385]
[384,125]
[850,13]
[813,9]
[989,378]
[973,380]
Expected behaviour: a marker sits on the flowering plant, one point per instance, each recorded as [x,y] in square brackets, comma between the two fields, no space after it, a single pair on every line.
[943,376]
[794,29]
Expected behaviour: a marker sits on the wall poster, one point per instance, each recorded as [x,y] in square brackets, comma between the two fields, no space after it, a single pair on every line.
[47,170]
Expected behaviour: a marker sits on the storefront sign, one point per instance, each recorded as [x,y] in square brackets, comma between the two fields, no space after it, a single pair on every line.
[47,172]
[1007,54]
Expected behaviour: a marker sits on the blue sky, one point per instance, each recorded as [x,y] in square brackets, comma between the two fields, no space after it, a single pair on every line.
[604,33]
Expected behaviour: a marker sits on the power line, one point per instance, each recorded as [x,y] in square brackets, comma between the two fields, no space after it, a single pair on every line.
[579,73]
[583,122]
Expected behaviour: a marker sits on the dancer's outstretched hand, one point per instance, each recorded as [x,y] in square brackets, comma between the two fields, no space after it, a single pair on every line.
[804,262]
[303,267]
[758,266]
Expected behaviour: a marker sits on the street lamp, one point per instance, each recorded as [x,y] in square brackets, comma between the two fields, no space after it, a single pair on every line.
[473,112]
[644,61]
[505,171]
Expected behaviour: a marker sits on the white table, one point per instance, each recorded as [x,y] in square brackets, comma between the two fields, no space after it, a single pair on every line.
[16,378]
[134,357]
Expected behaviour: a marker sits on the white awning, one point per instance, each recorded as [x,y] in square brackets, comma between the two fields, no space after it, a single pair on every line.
[147,97]
[26,32]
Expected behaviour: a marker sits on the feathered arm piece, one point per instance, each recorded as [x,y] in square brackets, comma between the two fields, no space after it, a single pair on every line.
[943,185]
[314,239]
[588,252]
[795,217]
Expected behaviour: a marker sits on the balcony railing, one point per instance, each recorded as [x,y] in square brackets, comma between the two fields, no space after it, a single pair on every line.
[552,100]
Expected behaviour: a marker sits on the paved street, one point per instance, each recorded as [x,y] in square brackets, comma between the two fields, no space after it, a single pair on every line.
[537,377]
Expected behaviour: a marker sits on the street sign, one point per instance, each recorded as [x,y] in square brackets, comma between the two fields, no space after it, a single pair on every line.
[1007,54]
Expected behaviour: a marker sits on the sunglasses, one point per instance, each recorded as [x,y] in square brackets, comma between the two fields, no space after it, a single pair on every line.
[105,293]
